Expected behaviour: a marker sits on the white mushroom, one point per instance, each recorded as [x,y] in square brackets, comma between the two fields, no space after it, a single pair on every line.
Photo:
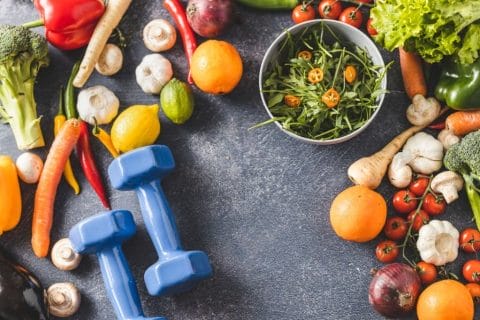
[427,151]
[448,183]
[153,73]
[98,105]
[29,167]
[63,299]
[63,255]
[110,60]
[399,172]
[159,35]
[423,111]
[447,138]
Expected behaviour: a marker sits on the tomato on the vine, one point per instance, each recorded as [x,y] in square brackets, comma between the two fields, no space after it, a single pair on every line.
[364,1]
[419,185]
[404,201]
[303,12]
[330,9]
[421,218]
[470,240]
[352,16]
[386,251]
[474,289]
[433,204]
[427,272]
[370,29]
[471,270]
[395,228]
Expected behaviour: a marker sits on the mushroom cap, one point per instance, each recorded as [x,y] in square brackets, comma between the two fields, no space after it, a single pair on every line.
[423,111]
[110,60]
[63,299]
[448,183]
[159,35]
[63,256]
[29,167]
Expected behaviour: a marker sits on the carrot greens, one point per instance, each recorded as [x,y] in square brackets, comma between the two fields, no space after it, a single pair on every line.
[315,68]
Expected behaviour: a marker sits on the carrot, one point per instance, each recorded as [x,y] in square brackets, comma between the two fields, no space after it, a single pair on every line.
[463,122]
[412,74]
[105,26]
[369,171]
[57,157]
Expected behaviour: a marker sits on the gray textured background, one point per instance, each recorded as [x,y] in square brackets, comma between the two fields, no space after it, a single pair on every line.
[256,201]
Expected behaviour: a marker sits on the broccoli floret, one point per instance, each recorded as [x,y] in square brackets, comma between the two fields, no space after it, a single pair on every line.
[464,158]
[22,54]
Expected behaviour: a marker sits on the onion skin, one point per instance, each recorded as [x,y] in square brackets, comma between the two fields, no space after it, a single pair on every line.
[394,290]
[209,18]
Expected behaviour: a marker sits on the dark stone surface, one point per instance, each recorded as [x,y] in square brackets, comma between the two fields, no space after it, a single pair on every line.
[256,201]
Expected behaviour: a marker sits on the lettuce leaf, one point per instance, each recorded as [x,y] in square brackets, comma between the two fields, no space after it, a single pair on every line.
[432,28]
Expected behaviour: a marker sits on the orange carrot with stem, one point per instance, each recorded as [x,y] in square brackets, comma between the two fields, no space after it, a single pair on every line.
[461,123]
[57,157]
[412,73]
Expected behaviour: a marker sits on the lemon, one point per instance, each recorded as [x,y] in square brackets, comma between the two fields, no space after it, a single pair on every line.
[137,126]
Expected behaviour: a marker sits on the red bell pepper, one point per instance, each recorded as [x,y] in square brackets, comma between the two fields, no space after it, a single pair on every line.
[69,24]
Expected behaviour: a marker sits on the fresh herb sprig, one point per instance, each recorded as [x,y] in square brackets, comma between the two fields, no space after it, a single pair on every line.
[312,117]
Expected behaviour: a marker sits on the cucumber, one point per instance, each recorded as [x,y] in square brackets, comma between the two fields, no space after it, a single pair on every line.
[270,4]
[177,101]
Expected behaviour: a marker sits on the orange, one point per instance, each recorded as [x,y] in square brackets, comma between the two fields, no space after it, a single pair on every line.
[216,67]
[445,300]
[358,214]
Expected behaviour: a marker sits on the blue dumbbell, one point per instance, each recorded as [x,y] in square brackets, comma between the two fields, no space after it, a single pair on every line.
[103,235]
[142,170]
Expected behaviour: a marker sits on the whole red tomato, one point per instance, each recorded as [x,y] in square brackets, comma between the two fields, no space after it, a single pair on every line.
[352,16]
[427,272]
[470,240]
[303,12]
[395,228]
[419,185]
[330,9]
[370,29]
[421,218]
[404,201]
[434,205]
[471,270]
[386,251]
[474,289]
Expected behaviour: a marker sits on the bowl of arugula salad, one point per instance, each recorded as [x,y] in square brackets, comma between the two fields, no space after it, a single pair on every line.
[322,81]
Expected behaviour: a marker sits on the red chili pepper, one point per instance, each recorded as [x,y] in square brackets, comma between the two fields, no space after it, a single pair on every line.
[69,24]
[83,150]
[176,10]
[437,126]
[87,162]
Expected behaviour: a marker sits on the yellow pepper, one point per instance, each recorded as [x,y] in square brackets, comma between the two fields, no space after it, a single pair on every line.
[10,196]
[105,139]
[58,122]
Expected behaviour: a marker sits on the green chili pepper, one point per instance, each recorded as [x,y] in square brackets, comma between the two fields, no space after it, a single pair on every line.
[270,4]
[459,85]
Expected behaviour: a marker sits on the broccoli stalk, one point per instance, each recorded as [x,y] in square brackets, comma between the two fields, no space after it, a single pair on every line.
[22,54]
[464,158]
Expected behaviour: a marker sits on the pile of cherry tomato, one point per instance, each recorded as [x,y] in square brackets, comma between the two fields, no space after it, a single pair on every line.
[415,206]
[335,9]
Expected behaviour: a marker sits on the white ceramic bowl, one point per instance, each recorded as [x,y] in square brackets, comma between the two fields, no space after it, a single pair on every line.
[345,33]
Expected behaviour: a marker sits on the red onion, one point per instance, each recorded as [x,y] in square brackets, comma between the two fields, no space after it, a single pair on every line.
[394,290]
[209,18]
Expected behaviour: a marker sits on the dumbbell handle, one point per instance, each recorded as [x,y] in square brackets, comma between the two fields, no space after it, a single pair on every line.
[158,218]
[120,284]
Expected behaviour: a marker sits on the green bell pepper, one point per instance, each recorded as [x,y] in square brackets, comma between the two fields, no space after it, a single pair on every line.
[459,85]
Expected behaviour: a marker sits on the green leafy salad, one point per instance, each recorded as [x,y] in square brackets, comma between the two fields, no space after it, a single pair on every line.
[320,87]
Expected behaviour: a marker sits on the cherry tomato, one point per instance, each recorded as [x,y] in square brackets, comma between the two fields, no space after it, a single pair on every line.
[434,205]
[404,201]
[474,289]
[471,270]
[386,251]
[418,186]
[427,272]
[470,240]
[303,12]
[420,219]
[330,9]
[396,228]
[351,16]
[370,29]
